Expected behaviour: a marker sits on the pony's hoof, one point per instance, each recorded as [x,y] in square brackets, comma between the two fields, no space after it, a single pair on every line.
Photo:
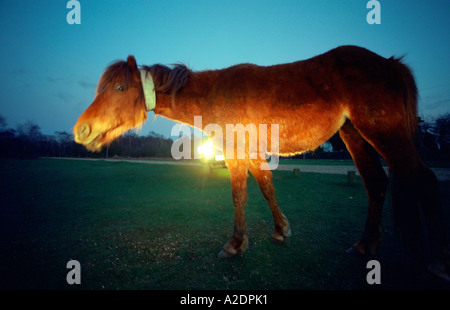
[364,248]
[277,239]
[279,235]
[233,247]
[354,252]
[440,269]
[223,254]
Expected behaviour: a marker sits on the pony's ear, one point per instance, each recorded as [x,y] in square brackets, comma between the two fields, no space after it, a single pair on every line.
[131,61]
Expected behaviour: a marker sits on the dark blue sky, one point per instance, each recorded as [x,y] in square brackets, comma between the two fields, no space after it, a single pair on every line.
[49,69]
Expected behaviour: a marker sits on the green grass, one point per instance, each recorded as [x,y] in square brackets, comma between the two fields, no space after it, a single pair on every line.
[140,226]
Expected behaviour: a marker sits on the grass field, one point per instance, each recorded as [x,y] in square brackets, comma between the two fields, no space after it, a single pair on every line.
[140,226]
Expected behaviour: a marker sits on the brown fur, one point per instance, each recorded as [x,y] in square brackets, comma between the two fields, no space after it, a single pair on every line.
[370,100]
[169,81]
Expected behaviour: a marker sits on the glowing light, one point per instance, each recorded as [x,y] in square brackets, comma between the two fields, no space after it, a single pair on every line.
[220,157]
[206,149]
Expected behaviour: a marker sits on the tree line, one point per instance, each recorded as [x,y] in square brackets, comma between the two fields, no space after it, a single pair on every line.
[434,138]
[27,141]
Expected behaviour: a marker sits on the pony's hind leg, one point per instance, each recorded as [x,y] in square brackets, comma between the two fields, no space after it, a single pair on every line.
[375,181]
[393,142]
[264,180]
[417,183]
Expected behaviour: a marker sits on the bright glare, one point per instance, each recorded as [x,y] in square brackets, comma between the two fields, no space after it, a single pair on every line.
[206,149]
[220,157]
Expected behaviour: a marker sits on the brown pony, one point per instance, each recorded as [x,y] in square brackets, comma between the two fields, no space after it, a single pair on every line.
[370,100]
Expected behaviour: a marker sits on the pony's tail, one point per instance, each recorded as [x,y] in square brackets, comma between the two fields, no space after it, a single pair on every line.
[410,97]
[399,191]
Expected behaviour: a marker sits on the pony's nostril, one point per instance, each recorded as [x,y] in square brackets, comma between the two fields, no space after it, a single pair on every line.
[83,131]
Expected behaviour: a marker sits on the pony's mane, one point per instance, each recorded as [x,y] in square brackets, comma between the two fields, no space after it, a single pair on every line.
[117,71]
[166,80]
[169,80]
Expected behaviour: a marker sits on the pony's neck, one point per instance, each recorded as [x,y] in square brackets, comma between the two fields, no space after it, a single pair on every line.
[192,100]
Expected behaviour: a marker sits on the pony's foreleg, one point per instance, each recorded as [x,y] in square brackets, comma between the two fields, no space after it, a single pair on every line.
[238,179]
[375,181]
[264,179]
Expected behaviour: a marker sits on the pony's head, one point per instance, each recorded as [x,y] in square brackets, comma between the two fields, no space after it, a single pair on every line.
[119,105]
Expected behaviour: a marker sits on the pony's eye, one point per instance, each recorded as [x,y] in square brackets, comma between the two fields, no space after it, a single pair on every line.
[119,88]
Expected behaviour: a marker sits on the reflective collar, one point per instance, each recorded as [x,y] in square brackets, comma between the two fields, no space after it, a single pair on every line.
[149,90]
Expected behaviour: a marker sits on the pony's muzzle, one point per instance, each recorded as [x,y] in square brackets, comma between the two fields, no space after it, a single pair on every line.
[83,132]
[86,135]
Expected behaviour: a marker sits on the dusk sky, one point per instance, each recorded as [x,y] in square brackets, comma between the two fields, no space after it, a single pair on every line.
[49,68]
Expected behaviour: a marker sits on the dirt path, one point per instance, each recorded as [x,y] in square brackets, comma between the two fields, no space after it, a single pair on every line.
[443,174]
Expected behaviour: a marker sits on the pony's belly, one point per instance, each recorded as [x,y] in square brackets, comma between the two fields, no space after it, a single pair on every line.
[297,145]
[302,138]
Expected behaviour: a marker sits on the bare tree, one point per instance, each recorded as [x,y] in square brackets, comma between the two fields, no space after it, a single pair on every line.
[64,140]
[442,128]
[30,131]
